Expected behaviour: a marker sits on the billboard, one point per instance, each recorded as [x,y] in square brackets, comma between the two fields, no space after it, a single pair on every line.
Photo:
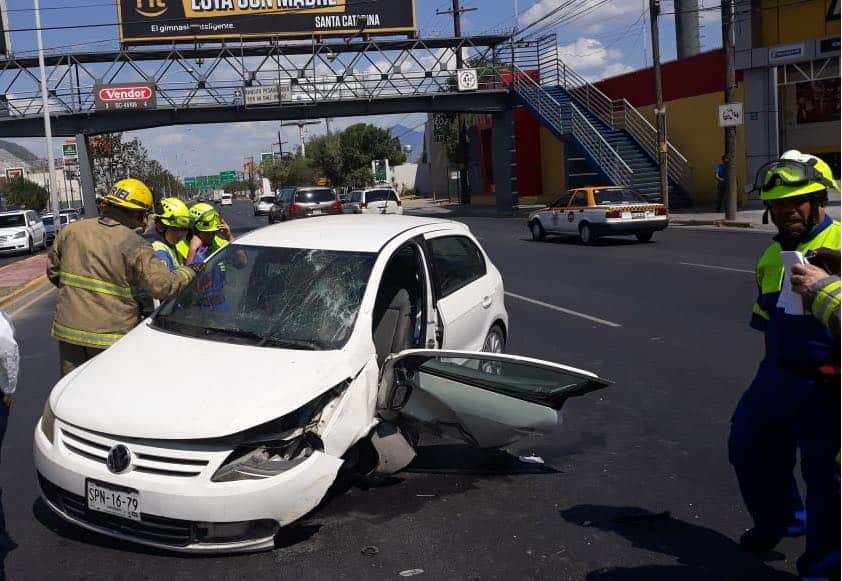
[13,173]
[125,96]
[163,21]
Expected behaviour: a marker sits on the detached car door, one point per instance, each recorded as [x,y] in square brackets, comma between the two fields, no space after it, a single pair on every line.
[486,399]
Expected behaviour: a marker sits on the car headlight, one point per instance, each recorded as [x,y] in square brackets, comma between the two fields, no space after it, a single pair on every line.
[279,445]
[20,234]
[48,421]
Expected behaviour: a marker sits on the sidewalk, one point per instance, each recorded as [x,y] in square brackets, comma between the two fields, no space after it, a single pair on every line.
[750,216]
[21,277]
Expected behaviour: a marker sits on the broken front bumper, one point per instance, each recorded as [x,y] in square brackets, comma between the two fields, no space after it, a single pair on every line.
[184,514]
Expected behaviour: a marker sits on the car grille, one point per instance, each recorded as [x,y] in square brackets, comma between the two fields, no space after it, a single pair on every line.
[159,529]
[163,462]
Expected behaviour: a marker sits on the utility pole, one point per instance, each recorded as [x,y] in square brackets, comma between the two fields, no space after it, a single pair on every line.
[660,112]
[48,129]
[730,97]
[301,132]
[456,11]
[280,143]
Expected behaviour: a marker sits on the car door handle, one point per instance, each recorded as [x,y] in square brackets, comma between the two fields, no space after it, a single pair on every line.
[486,302]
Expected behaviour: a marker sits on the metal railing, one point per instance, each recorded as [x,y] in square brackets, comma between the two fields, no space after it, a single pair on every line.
[219,76]
[568,119]
[539,100]
[605,156]
[541,55]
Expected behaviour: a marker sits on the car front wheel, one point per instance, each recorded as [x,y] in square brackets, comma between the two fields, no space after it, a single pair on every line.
[31,246]
[537,231]
[495,340]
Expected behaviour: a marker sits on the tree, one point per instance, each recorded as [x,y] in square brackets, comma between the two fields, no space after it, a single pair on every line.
[289,172]
[24,193]
[345,158]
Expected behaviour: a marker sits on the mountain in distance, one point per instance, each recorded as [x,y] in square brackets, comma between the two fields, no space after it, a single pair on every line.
[18,151]
[410,136]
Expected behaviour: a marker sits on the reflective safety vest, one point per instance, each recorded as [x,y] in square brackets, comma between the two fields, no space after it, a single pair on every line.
[800,343]
[169,254]
[183,249]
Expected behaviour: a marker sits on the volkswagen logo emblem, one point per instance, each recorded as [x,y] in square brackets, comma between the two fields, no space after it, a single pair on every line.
[119,459]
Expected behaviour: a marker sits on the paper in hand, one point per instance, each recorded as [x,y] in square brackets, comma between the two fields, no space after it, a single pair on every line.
[789,300]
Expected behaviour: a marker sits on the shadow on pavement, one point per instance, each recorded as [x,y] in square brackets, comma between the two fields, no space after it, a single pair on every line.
[702,553]
[378,499]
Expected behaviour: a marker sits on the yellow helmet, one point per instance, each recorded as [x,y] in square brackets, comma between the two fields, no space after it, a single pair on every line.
[206,218]
[131,194]
[196,210]
[794,174]
[174,213]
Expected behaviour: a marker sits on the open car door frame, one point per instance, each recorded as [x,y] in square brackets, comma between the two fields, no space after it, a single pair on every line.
[486,399]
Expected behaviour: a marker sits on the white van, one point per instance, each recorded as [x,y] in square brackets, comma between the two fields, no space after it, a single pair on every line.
[226,200]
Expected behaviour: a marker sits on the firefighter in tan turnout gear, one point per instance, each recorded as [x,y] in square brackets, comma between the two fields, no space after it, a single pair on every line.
[98,265]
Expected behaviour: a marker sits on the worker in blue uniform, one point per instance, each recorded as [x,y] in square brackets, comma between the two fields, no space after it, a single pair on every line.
[793,404]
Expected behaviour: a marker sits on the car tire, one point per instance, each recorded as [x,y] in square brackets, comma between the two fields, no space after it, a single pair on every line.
[44,242]
[271,219]
[586,234]
[644,236]
[495,340]
[537,230]
[31,245]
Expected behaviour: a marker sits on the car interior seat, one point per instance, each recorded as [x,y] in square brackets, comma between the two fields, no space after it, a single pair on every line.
[393,316]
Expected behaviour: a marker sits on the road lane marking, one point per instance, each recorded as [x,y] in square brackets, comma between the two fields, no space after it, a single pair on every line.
[717,267]
[31,302]
[563,310]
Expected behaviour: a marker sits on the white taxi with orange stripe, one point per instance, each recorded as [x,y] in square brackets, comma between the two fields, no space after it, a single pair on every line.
[596,211]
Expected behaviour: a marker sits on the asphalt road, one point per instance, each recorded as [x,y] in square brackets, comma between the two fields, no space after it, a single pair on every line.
[635,484]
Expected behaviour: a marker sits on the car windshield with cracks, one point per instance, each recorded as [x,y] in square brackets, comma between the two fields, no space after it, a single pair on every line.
[289,298]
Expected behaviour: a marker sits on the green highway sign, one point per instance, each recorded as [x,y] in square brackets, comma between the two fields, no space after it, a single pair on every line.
[226,177]
[190,182]
[267,157]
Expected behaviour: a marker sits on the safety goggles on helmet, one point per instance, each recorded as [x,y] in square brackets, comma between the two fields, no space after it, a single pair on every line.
[180,222]
[208,222]
[789,173]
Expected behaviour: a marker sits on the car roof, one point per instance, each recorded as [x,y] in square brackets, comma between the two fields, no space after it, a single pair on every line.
[10,212]
[352,233]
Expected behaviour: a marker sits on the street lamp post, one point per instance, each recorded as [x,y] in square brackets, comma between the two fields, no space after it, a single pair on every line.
[48,130]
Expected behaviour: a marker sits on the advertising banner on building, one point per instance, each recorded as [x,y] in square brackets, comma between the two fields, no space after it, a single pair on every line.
[13,173]
[125,96]
[163,21]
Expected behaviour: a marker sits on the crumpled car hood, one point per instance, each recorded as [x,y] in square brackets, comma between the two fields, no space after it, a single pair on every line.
[153,384]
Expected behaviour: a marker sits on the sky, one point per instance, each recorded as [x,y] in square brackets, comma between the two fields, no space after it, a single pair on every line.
[600,38]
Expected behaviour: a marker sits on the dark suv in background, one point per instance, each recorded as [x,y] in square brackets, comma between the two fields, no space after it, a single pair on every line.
[304,202]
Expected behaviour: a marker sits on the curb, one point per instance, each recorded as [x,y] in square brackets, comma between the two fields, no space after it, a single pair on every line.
[17,262]
[25,289]
[718,223]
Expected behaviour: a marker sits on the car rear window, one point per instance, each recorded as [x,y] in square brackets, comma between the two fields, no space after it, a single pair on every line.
[356,196]
[603,197]
[378,196]
[268,199]
[47,220]
[315,196]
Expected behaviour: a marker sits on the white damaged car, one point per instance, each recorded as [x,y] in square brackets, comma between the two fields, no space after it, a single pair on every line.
[229,412]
